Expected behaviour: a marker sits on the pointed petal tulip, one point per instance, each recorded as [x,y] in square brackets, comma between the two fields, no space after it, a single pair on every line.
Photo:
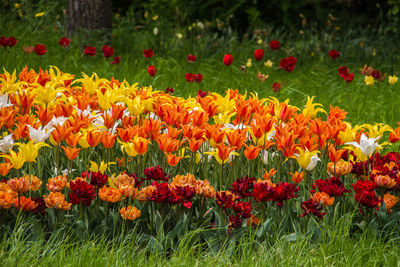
[6,143]
[366,145]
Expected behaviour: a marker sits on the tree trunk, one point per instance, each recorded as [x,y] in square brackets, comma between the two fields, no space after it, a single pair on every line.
[88,15]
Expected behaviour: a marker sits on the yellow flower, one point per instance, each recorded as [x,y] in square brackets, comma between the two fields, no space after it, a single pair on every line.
[17,160]
[30,151]
[259,41]
[377,130]
[41,14]
[179,35]
[129,149]
[308,159]
[249,64]
[155,17]
[268,63]
[311,109]
[102,168]
[392,79]
[369,80]
[17,6]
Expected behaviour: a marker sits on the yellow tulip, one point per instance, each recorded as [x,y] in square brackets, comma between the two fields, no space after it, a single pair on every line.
[129,149]
[369,80]
[17,160]
[392,79]
[308,159]
[311,109]
[30,151]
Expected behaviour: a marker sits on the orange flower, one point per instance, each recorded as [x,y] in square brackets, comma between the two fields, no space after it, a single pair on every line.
[390,201]
[108,139]
[172,159]
[123,180]
[224,151]
[384,181]
[322,198]
[6,200]
[19,185]
[335,155]
[4,187]
[173,132]
[25,203]
[34,182]
[268,174]
[190,131]
[152,128]
[140,145]
[56,200]
[251,152]
[129,213]
[71,152]
[394,136]
[204,189]
[253,221]
[94,137]
[194,144]
[145,193]
[297,177]
[57,183]
[237,138]
[61,132]
[108,120]
[167,144]
[110,194]
[73,139]
[44,114]
[5,168]
[126,134]
[117,111]
[340,168]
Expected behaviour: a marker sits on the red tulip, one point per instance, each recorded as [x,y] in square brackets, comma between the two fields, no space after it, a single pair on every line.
[228,59]
[90,50]
[259,54]
[3,41]
[198,77]
[116,60]
[108,51]
[288,63]
[274,44]
[334,54]
[152,70]
[191,58]
[64,42]
[148,53]
[276,87]
[189,77]
[11,41]
[40,49]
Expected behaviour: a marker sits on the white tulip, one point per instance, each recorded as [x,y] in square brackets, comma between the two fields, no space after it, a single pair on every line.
[366,145]
[313,162]
[39,135]
[6,144]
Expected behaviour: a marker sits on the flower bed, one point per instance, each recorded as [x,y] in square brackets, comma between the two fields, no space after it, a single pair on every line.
[84,150]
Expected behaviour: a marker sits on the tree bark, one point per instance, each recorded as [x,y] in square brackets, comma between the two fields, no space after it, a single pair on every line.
[88,15]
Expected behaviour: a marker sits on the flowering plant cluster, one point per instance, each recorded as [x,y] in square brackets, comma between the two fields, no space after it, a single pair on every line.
[140,149]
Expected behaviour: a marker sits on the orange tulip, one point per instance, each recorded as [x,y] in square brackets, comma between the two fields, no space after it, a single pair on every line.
[110,194]
[190,132]
[71,152]
[224,151]
[268,174]
[152,128]
[19,185]
[5,168]
[297,177]
[194,144]
[390,201]
[237,138]
[251,152]
[140,145]
[335,155]
[108,120]
[25,203]
[57,184]
[173,132]
[44,114]
[61,132]
[117,111]
[56,200]
[126,134]
[394,136]
[167,144]
[73,139]
[199,118]
[108,139]
[129,213]
[94,137]
[6,200]
[172,159]
[322,198]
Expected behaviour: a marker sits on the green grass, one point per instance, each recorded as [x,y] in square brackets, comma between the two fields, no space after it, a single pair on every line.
[333,250]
